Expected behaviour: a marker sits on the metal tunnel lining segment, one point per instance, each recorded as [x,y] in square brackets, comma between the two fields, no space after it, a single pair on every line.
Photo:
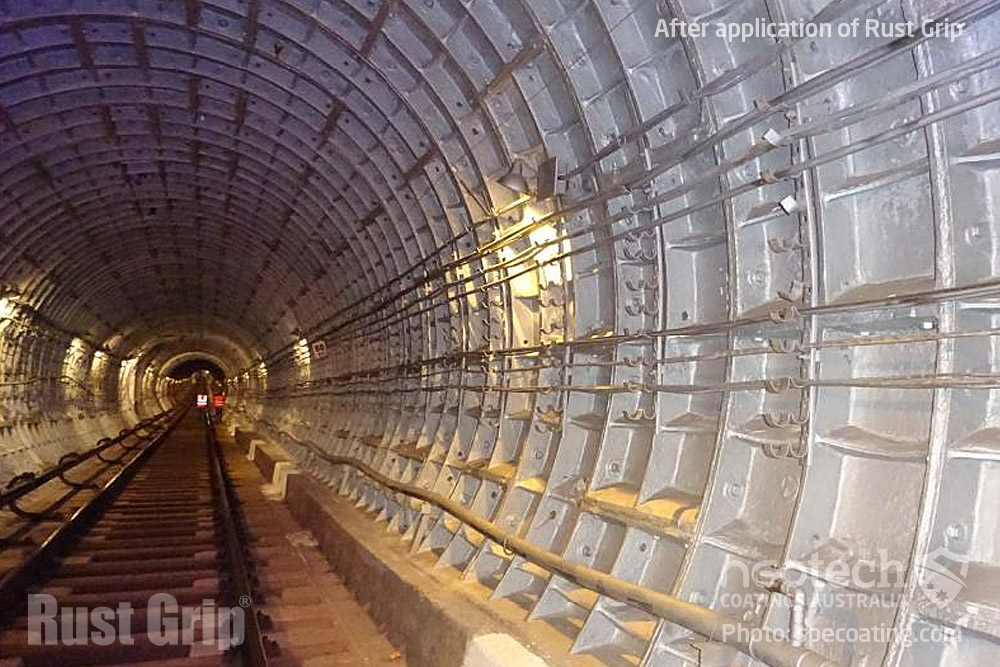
[387,305]
[696,618]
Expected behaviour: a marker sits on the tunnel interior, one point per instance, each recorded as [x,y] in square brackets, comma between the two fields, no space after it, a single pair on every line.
[659,305]
[185,369]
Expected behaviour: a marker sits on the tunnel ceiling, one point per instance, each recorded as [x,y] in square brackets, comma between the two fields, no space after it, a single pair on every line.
[266,162]
[749,308]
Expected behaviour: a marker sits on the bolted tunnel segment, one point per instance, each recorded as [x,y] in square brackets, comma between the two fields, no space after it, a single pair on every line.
[562,335]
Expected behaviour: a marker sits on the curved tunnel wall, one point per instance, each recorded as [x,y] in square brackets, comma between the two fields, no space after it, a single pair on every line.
[757,321]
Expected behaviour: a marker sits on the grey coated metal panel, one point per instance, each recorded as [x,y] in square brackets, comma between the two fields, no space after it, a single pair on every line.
[759,322]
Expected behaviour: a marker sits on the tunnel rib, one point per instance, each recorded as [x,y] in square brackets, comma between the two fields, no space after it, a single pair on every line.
[750,319]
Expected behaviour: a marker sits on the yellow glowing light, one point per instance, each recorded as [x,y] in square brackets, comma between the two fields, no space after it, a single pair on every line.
[528,217]
[302,354]
[75,354]
[97,362]
[546,236]
[543,234]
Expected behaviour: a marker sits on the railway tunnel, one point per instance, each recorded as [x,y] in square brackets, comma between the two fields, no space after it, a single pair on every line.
[565,332]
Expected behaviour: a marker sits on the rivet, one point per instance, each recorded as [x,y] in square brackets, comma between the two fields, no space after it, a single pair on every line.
[732,489]
[956,532]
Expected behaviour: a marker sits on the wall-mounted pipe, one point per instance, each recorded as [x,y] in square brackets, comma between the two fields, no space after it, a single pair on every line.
[701,620]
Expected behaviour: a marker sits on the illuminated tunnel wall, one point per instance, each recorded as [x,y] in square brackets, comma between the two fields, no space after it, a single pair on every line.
[749,312]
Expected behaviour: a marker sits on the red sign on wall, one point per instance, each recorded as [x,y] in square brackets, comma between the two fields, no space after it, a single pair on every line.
[202,400]
[219,400]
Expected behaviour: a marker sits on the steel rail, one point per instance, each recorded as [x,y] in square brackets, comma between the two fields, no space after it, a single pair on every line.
[16,582]
[254,647]
[701,620]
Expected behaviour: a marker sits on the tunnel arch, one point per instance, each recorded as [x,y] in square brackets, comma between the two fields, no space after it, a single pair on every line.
[767,269]
[185,365]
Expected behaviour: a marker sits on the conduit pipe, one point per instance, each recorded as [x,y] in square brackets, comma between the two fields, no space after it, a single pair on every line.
[714,626]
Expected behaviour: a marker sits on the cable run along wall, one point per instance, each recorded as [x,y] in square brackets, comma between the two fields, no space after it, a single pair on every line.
[758,321]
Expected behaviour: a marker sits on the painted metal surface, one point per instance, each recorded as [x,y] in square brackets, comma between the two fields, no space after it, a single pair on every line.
[759,323]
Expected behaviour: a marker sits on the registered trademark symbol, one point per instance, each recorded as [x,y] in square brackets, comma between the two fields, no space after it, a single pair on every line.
[245,601]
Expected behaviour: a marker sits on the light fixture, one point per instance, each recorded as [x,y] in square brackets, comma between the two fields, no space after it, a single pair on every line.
[548,181]
[514,179]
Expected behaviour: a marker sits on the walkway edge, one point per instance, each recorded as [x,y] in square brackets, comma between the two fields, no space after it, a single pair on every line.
[430,616]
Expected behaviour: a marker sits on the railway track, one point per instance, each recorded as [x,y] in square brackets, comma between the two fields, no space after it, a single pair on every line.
[155,570]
